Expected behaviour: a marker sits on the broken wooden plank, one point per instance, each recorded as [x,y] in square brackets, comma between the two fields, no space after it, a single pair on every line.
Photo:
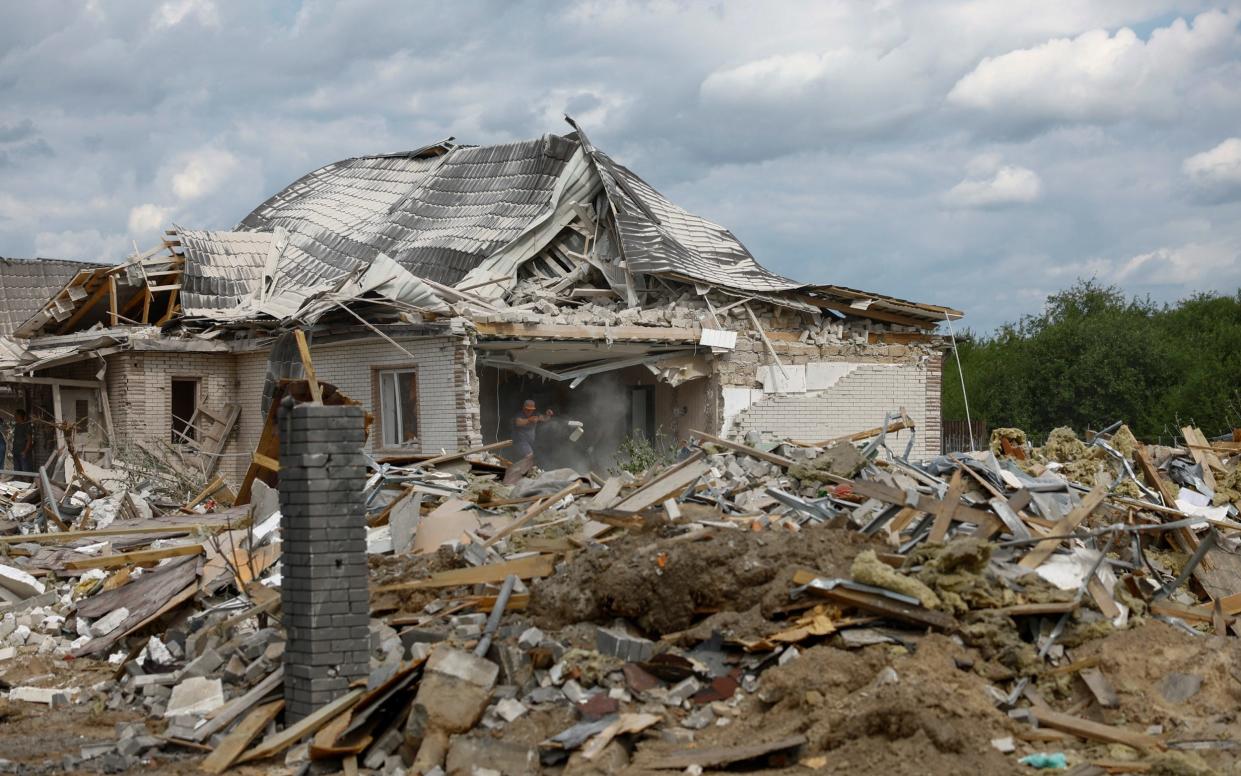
[523,568]
[462,453]
[277,743]
[1043,550]
[718,756]
[947,508]
[308,367]
[1094,731]
[223,716]
[531,513]
[881,605]
[128,558]
[57,537]
[927,504]
[231,747]
[662,488]
[737,447]
[1196,442]
[594,333]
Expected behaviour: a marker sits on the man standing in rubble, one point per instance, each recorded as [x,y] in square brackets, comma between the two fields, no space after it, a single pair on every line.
[524,427]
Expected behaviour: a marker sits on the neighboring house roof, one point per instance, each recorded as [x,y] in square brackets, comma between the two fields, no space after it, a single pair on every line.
[27,284]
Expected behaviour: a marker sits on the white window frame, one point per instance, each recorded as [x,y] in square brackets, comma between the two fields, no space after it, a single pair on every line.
[386,431]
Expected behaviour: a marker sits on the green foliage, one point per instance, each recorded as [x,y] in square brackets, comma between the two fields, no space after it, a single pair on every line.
[1093,357]
[637,454]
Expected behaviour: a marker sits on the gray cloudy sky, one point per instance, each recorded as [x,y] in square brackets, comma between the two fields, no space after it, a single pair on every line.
[976,154]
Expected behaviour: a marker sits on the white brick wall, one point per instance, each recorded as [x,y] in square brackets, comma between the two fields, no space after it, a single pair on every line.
[857,401]
[348,366]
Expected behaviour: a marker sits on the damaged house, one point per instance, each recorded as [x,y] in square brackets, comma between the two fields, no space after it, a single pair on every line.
[441,287]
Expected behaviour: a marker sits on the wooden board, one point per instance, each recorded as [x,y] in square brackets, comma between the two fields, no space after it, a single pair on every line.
[534,511]
[927,504]
[129,558]
[663,488]
[595,333]
[523,568]
[240,737]
[64,537]
[223,716]
[1043,550]
[947,508]
[1095,731]
[273,745]
[737,447]
[878,604]
[717,756]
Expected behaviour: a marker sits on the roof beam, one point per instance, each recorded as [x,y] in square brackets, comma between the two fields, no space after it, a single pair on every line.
[607,333]
[877,315]
[84,308]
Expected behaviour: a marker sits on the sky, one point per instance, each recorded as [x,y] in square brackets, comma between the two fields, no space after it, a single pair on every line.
[976,154]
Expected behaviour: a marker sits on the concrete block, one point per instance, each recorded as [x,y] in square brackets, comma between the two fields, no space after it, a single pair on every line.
[621,645]
[196,695]
[19,582]
[109,622]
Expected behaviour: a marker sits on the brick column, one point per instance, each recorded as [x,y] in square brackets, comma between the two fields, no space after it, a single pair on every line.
[323,524]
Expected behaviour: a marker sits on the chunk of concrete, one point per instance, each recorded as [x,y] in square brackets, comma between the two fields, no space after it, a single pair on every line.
[46,695]
[20,582]
[456,688]
[196,695]
[622,645]
[404,519]
[204,664]
[511,759]
[109,622]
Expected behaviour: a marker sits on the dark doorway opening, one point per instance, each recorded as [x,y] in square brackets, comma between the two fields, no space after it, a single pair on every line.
[184,404]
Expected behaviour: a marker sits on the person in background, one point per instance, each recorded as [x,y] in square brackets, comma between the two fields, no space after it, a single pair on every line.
[3,444]
[23,443]
[524,427]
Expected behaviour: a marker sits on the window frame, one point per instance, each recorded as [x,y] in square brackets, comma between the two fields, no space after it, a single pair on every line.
[377,377]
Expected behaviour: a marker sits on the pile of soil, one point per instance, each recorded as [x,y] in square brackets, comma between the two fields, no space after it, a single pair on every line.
[661,585]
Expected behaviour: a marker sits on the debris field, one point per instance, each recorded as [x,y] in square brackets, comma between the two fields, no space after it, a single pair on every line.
[767,606]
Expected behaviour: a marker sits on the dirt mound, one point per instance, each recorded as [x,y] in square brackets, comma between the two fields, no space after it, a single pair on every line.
[878,710]
[660,585]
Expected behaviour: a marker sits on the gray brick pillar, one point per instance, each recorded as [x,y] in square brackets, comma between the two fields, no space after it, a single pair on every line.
[323,524]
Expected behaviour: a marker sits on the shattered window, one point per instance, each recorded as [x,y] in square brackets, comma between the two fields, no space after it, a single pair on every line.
[398,406]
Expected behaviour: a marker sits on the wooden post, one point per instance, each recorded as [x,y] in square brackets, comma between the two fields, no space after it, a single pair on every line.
[316,393]
[58,414]
[112,314]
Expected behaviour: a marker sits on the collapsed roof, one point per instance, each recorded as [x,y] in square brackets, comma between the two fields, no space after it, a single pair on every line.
[444,225]
[27,284]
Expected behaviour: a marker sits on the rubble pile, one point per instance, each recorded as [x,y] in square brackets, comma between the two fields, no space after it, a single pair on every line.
[758,606]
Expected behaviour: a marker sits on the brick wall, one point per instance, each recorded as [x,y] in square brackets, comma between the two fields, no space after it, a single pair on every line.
[139,389]
[443,393]
[857,401]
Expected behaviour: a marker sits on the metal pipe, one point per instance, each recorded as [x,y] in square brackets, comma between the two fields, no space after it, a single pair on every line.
[497,611]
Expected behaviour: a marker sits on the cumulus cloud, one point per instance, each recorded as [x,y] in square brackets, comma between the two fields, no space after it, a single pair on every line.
[174,12]
[202,172]
[1009,185]
[1217,172]
[148,218]
[1102,77]
[1216,263]
[820,131]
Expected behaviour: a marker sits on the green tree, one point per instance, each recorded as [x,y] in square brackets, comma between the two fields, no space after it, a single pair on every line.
[1093,356]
